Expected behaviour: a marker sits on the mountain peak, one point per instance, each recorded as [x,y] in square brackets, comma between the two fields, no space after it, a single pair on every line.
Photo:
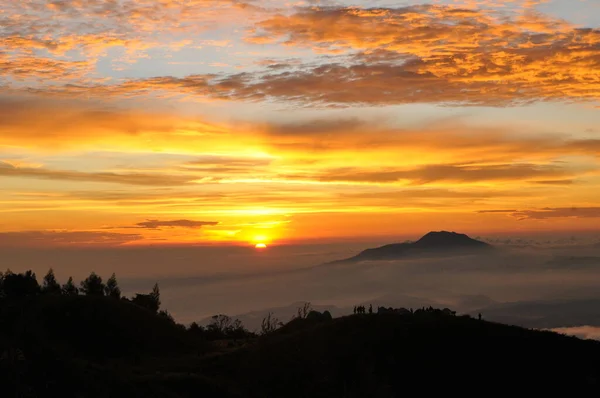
[432,243]
[445,238]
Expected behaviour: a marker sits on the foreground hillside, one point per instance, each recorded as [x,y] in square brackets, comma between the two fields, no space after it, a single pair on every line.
[384,355]
[80,345]
[98,347]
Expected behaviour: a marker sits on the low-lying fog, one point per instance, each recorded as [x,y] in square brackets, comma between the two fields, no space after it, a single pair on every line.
[548,287]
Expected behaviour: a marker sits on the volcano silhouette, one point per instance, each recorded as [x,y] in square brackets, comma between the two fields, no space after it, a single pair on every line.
[433,243]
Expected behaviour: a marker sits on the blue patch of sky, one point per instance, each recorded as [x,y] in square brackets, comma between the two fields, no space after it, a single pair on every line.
[582,12]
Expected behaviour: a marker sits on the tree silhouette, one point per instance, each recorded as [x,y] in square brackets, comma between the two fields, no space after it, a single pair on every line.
[20,285]
[50,285]
[112,288]
[167,315]
[304,310]
[223,326]
[149,301]
[237,330]
[156,295]
[269,324]
[69,288]
[196,329]
[93,286]
[146,301]
[220,323]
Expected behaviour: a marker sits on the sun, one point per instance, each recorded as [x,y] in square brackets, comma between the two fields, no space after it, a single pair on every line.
[260,246]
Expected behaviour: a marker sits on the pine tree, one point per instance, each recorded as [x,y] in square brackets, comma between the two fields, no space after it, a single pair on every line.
[112,288]
[93,286]
[69,288]
[50,285]
[156,295]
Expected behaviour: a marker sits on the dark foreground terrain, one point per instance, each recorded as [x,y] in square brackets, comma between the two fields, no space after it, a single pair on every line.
[82,346]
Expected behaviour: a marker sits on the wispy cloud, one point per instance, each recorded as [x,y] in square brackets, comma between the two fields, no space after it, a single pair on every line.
[64,238]
[548,213]
[435,173]
[559,212]
[8,170]
[156,224]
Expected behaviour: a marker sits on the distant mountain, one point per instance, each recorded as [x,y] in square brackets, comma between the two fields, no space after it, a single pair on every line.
[433,243]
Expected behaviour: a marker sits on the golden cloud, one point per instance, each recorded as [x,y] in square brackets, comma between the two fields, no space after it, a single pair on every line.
[32,68]
[157,224]
[56,125]
[302,146]
[61,41]
[8,170]
[443,173]
[443,54]
[166,166]
[432,53]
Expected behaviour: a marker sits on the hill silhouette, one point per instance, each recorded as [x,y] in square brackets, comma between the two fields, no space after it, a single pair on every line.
[78,346]
[385,355]
[433,243]
[99,346]
[56,342]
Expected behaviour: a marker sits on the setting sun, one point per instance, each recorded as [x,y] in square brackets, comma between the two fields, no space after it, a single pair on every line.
[260,246]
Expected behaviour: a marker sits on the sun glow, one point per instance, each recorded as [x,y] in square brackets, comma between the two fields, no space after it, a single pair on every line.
[260,246]
[153,156]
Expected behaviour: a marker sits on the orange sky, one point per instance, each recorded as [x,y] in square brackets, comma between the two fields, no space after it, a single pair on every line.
[259,122]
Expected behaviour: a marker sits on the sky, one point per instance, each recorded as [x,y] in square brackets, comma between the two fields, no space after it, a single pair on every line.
[220,122]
